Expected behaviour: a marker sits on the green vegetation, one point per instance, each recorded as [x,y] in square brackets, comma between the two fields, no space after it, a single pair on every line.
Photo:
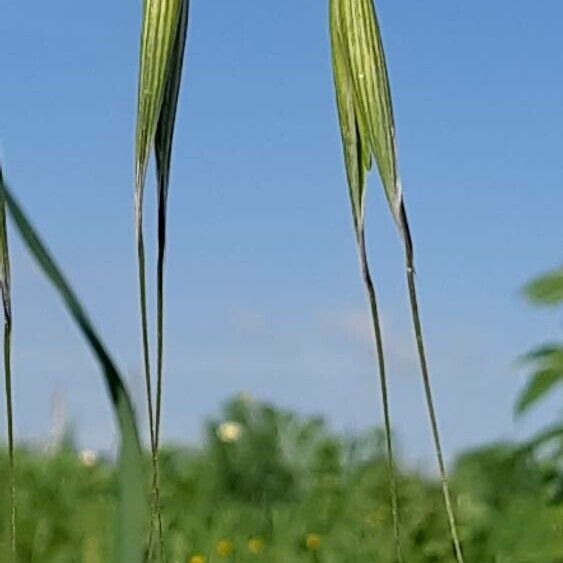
[546,362]
[268,486]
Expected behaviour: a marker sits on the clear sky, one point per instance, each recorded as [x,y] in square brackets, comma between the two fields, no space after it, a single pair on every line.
[264,292]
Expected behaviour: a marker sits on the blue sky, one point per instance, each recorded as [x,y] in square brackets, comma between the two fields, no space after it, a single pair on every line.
[264,292]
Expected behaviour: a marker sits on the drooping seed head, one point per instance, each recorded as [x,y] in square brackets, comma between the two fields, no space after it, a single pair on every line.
[158,37]
[364,103]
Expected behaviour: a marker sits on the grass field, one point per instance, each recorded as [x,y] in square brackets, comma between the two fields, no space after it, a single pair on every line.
[265,484]
[268,486]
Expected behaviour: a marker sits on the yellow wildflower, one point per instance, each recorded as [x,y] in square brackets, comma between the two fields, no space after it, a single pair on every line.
[255,545]
[313,542]
[376,518]
[198,558]
[224,548]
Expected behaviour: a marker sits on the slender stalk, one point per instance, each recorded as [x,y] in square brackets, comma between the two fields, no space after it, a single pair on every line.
[162,201]
[417,325]
[163,154]
[145,331]
[5,292]
[159,360]
[157,514]
[370,290]
[162,196]
[10,424]
[156,506]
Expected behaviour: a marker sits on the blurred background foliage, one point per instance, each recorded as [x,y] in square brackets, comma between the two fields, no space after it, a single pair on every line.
[268,485]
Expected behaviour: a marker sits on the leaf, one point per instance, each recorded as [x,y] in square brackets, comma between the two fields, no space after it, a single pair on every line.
[540,384]
[363,95]
[547,289]
[131,508]
[548,373]
[545,436]
[549,353]
[163,152]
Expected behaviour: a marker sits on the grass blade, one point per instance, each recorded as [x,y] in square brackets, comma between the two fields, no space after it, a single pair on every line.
[367,125]
[131,507]
[5,289]
[357,158]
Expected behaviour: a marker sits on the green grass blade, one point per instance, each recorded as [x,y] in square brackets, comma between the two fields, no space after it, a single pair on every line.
[5,290]
[131,508]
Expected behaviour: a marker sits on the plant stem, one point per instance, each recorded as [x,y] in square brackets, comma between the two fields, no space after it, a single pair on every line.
[156,508]
[427,386]
[145,331]
[370,289]
[10,424]
[159,361]
[160,309]
[157,511]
